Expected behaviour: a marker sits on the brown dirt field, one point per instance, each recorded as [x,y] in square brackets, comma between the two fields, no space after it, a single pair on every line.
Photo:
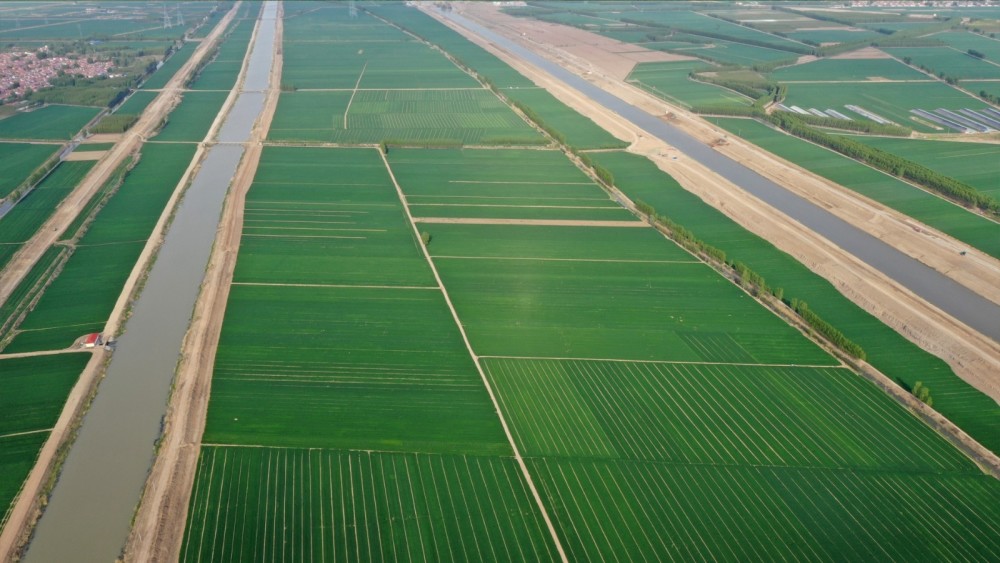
[973,356]
[104,138]
[158,531]
[85,155]
[864,53]
[28,507]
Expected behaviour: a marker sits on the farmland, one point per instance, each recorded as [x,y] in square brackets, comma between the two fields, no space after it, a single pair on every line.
[837,70]
[949,61]
[18,161]
[28,215]
[670,81]
[662,412]
[53,123]
[192,119]
[579,132]
[958,222]
[32,392]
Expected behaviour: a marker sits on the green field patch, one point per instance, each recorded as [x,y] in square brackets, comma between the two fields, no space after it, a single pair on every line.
[18,161]
[951,62]
[964,41]
[625,310]
[356,368]
[972,163]
[939,213]
[170,67]
[270,504]
[888,351]
[890,100]
[309,23]
[191,120]
[328,216]
[671,82]
[544,242]
[379,65]
[826,36]
[649,511]
[32,394]
[717,414]
[438,116]
[21,222]
[579,131]
[52,122]
[834,70]
[137,102]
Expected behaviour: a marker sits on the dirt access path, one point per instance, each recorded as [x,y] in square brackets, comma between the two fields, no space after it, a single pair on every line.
[158,530]
[30,502]
[971,355]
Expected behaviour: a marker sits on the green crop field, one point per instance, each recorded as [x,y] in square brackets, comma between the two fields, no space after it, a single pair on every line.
[167,71]
[329,216]
[80,300]
[830,70]
[964,41]
[137,102]
[222,72]
[52,122]
[18,161]
[718,414]
[888,351]
[474,116]
[298,505]
[510,184]
[579,131]
[21,222]
[975,230]
[972,163]
[32,393]
[891,100]
[951,62]
[671,82]
[846,35]
[191,120]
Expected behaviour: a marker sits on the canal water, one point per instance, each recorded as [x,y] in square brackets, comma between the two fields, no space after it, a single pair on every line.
[91,508]
[951,297]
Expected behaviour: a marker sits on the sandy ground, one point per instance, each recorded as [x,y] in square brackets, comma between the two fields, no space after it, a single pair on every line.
[27,509]
[85,155]
[863,53]
[158,530]
[973,356]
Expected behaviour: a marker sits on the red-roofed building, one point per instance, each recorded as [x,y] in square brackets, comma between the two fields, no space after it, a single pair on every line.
[92,340]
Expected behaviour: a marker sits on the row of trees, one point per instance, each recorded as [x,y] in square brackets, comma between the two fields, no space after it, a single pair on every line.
[749,279]
[890,163]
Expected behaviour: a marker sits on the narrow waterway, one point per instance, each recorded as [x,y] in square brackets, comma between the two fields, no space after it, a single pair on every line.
[941,291]
[91,508]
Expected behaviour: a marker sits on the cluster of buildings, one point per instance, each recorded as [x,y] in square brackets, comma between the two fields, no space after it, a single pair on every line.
[21,71]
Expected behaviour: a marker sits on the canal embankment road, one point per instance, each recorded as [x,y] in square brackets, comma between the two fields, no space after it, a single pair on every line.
[90,510]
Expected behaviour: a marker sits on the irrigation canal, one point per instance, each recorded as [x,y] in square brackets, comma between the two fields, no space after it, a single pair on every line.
[951,297]
[91,508]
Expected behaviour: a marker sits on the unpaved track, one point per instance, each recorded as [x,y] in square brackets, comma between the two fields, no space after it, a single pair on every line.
[158,530]
[27,509]
[971,355]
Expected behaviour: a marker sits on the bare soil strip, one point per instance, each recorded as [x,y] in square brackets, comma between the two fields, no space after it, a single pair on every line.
[44,353]
[479,368]
[971,355]
[543,222]
[77,156]
[28,507]
[158,531]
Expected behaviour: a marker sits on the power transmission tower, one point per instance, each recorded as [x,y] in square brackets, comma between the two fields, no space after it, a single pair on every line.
[180,15]
[166,17]
[352,10]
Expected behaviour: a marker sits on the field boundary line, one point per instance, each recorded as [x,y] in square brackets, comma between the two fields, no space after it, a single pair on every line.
[354,93]
[26,433]
[543,222]
[672,362]
[43,352]
[512,206]
[515,183]
[346,286]
[541,259]
[479,367]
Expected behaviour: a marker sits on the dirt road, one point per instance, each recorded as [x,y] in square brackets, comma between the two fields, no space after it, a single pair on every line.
[973,356]
[159,524]
[28,507]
